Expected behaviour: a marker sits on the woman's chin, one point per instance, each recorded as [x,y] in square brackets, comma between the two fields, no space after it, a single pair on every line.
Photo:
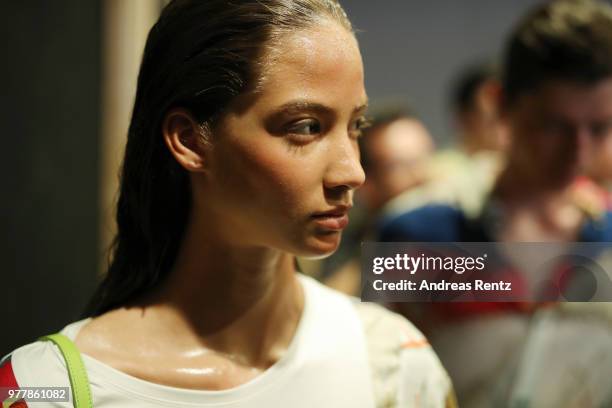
[321,245]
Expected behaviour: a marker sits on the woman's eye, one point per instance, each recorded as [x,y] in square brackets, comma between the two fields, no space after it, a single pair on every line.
[357,127]
[303,131]
[305,127]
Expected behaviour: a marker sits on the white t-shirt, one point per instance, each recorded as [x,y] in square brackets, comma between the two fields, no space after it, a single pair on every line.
[344,354]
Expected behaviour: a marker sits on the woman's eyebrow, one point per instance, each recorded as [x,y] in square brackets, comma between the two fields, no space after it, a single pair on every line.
[303,105]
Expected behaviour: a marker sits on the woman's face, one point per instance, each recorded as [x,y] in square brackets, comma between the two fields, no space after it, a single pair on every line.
[284,160]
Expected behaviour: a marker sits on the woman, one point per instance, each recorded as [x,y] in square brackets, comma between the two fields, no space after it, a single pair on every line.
[242,153]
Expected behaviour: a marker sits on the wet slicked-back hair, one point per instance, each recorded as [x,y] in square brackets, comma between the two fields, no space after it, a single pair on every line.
[199,55]
[569,40]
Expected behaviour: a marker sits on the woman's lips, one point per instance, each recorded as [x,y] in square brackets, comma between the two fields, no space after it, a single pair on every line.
[334,222]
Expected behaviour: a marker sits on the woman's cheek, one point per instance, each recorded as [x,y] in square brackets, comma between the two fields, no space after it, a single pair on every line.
[294,180]
[277,173]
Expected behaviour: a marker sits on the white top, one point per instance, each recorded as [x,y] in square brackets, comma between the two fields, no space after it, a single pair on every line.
[344,354]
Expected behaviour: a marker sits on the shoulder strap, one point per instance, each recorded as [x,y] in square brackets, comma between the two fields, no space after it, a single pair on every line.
[81,394]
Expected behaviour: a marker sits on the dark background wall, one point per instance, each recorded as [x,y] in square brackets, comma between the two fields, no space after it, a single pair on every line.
[50,75]
[412,50]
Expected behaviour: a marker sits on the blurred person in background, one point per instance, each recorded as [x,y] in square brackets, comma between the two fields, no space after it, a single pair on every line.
[474,98]
[557,103]
[395,149]
[463,175]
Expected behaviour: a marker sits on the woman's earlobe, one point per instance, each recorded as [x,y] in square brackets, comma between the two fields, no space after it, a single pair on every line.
[183,137]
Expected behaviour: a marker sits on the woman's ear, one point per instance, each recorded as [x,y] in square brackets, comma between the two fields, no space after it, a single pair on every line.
[184,138]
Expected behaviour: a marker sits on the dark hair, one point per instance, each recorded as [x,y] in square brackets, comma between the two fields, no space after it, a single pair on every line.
[379,117]
[199,55]
[563,40]
[466,85]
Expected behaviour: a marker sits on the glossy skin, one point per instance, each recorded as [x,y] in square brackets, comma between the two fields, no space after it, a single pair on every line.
[232,302]
[556,131]
[397,152]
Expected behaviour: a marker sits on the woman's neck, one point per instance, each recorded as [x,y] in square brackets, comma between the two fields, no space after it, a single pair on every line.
[223,315]
[244,302]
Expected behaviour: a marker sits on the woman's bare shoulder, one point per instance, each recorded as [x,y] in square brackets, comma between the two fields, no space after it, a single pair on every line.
[112,337]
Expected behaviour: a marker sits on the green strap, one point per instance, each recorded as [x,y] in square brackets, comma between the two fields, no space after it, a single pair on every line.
[81,395]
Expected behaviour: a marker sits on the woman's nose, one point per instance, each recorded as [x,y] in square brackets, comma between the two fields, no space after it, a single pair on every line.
[344,168]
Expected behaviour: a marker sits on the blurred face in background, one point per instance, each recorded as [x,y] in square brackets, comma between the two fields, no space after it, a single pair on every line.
[398,152]
[558,129]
